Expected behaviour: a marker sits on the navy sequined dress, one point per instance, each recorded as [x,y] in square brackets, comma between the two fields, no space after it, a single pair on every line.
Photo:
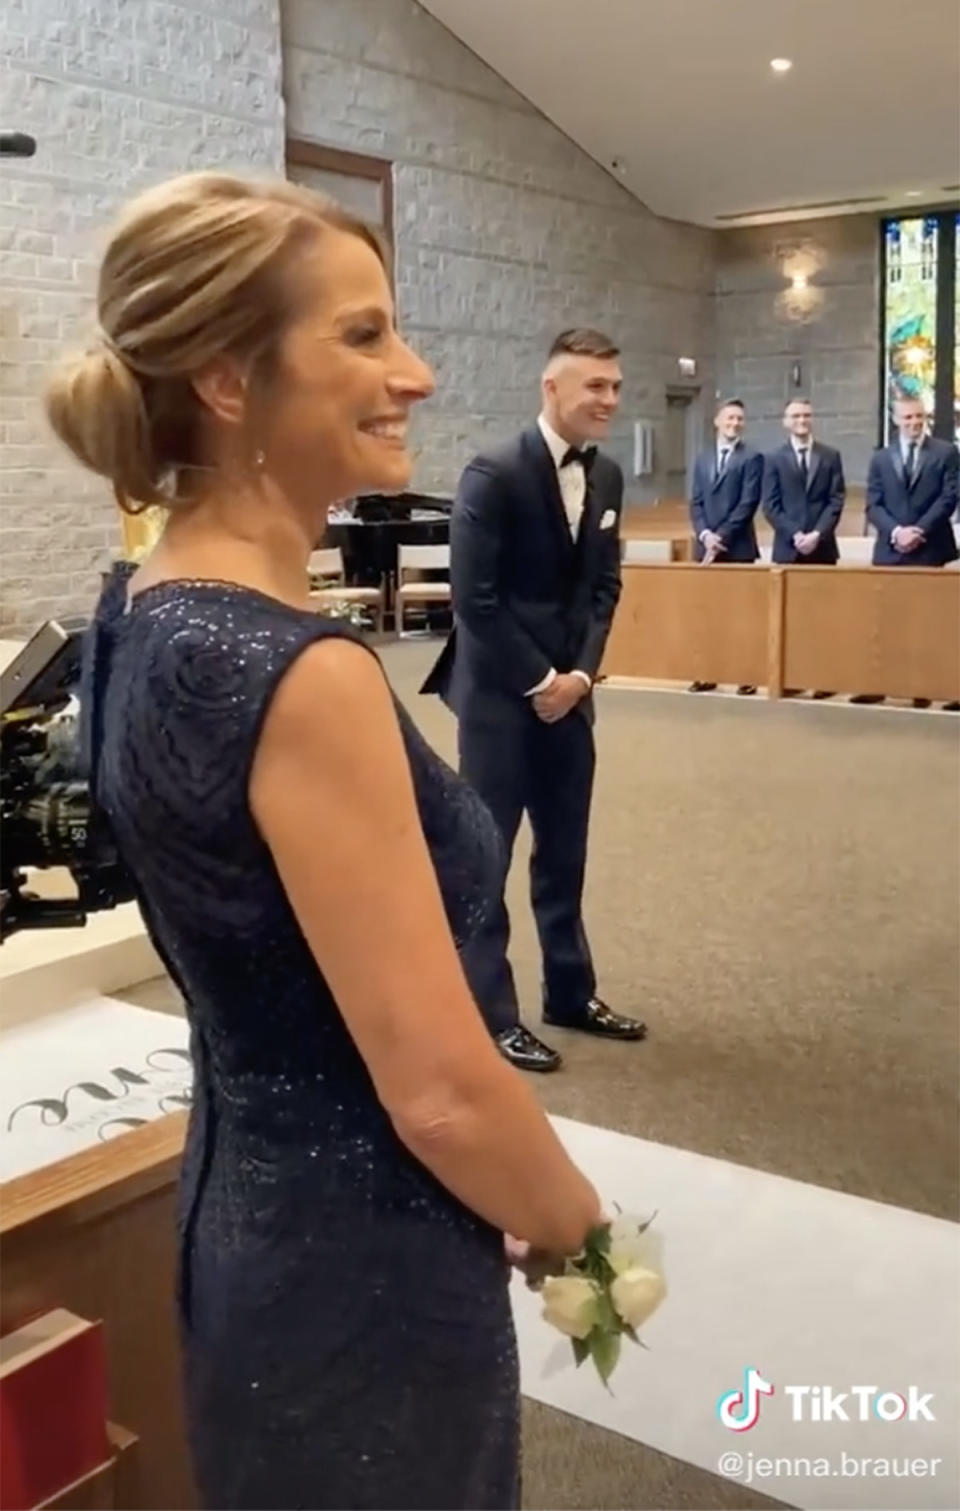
[346,1324]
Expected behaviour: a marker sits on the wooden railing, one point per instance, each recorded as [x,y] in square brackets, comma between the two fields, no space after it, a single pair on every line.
[892,631]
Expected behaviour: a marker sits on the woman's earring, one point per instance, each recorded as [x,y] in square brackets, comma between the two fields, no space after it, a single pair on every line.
[258,459]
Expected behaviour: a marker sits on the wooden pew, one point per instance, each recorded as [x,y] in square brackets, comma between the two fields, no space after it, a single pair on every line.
[892,631]
[96,1233]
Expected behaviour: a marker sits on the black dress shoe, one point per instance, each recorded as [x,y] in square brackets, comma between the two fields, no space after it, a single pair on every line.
[921,702]
[746,689]
[820,693]
[524,1050]
[953,707]
[702,687]
[597,1018]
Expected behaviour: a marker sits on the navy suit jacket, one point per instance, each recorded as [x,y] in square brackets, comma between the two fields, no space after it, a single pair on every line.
[929,501]
[727,504]
[791,508]
[526,597]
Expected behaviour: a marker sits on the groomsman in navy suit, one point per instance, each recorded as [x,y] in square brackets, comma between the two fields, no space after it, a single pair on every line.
[803,493]
[727,483]
[912,494]
[803,497]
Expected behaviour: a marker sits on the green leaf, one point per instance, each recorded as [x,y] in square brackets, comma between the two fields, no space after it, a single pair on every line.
[598,1239]
[605,1348]
[608,1318]
[595,1267]
[608,1273]
[581,1349]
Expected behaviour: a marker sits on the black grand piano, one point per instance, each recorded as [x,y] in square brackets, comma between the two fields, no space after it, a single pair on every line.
[370,531]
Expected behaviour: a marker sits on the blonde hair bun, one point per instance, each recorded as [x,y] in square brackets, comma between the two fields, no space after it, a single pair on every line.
[196,268]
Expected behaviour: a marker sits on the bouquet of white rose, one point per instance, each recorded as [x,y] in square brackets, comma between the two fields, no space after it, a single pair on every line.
[606,1292]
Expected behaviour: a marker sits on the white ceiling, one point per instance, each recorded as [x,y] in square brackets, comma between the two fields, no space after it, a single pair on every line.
[682,94]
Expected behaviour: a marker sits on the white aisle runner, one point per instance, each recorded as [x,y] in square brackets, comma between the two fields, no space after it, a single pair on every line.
[810,1287]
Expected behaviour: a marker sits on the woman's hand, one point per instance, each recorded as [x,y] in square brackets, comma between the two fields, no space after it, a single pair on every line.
[534,1264]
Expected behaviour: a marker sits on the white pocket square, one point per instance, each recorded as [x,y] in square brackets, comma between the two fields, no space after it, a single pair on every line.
[609,520]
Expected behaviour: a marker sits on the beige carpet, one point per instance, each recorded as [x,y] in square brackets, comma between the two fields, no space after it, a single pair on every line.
[776,889]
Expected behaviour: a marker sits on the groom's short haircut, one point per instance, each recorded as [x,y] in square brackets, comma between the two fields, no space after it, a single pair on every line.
[582,341]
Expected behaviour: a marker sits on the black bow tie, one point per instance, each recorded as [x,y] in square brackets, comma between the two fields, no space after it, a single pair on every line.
[584,455]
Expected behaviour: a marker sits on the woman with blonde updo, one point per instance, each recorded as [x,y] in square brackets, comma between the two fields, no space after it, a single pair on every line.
[307,869]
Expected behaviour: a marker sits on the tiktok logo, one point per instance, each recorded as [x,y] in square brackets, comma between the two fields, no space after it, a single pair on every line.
[740,1409]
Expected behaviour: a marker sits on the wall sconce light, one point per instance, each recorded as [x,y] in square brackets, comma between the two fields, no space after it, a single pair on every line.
[687,367]
[799,281]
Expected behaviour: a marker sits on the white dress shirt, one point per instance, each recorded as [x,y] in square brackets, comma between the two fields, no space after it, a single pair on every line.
[905,453]
[725,450]
[801,447]
[572,481]
[572,478]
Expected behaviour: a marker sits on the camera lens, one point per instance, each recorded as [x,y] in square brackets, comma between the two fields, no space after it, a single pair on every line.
[54,826]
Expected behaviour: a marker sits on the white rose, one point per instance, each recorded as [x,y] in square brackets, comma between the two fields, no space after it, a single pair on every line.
[637,1293]
[570,1304]
[629,1247]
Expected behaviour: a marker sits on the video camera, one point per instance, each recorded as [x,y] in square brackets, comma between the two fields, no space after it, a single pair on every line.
[47,816]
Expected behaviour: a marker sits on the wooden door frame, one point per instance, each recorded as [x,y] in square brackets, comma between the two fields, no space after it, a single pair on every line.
[352,164]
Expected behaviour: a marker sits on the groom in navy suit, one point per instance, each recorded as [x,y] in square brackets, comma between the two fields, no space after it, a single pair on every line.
[535,572]
[727,481]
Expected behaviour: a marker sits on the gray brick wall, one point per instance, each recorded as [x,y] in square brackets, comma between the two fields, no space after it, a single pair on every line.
[831,328]
[118,93]
[505,230]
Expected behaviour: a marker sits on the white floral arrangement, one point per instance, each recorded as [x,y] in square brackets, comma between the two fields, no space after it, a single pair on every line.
[606,1292]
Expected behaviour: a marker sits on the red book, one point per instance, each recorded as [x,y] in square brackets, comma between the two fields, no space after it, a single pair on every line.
[53,1408]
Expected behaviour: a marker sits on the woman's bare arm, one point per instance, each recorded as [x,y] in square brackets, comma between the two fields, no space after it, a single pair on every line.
[332,794]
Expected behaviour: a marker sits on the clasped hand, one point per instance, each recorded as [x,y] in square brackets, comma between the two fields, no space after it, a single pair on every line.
[806,541]
[557,700]
[907,538]
[713,544]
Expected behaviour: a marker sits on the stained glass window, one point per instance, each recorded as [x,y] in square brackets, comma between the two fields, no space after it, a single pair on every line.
[910,325]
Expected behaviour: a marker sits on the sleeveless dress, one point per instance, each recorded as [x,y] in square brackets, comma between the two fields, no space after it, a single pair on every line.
[347,1335]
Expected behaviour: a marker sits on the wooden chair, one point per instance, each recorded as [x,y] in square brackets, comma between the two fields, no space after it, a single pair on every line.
[411,559]
[327,585]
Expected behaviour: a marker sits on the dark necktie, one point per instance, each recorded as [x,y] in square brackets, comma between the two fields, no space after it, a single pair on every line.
[724,458]
[911,461]
[584,455]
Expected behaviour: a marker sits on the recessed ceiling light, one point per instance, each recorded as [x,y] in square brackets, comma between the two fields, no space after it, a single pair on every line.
[781,65]
[914,194]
